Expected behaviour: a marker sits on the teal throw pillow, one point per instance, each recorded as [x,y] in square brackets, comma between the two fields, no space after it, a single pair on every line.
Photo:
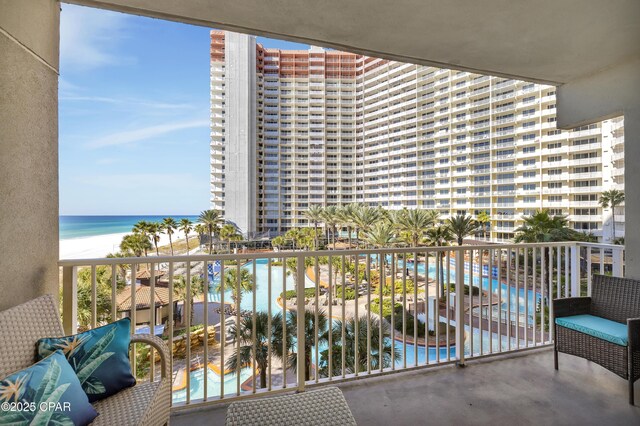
[100,358]
[47,393]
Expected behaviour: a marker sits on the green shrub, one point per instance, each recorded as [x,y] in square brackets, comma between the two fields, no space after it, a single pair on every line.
[386,291]
[349,293]
[183,331]
[291,294]
[386,307]
[476,290]
[443,298]
[397,320]
[410,323]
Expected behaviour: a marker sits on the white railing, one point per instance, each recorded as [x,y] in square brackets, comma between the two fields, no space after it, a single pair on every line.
[502,303]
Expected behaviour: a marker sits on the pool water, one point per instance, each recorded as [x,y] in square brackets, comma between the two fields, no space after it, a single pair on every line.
[280,281]
[515,300]
[263,299]
[213,384]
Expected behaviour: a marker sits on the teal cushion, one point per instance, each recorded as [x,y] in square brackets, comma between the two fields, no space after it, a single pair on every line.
[47,393]
[100,357]
[601,328]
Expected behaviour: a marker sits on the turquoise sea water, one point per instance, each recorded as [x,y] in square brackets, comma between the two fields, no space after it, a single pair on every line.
[90,226]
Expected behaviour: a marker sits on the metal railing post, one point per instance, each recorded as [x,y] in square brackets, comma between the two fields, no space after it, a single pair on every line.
[459,308]
[300,281]
[70,299]
[575,271]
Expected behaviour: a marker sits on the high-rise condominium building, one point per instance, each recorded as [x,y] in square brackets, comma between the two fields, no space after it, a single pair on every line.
[295,128]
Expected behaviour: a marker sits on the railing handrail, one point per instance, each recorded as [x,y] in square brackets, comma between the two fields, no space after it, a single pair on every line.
[319,253]
[601,245]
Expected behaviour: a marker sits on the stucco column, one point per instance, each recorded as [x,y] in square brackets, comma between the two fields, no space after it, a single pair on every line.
[29,51]
[632,191]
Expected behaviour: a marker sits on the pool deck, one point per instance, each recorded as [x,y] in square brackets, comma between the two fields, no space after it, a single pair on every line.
[519,389]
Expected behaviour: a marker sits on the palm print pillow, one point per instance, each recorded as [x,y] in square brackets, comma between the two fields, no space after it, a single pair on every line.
[100,358]
[47,393]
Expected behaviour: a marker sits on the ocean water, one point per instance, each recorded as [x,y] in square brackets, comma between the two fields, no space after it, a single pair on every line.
[90,226]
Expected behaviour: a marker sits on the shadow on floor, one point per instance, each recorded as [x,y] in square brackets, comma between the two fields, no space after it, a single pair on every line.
[521,389]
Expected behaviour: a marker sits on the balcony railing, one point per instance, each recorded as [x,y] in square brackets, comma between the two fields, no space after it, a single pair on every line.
[411,307]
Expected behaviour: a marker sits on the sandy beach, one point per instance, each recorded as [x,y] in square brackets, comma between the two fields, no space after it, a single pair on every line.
[99,245]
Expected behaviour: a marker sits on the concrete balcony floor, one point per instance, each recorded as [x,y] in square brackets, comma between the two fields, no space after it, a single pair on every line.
[516,389]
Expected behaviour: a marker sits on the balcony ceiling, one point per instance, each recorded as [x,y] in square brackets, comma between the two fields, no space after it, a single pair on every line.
[547,41]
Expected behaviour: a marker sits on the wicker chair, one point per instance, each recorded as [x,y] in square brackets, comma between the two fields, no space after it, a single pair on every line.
[146,403]
[615,299]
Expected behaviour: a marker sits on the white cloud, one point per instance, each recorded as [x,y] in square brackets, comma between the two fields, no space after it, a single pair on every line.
[89,38]
[144,133]
[133,102]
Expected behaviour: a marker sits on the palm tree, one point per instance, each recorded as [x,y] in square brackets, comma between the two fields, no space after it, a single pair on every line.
[278,242]
[381,235]
[142,228]
[292,267]
[237,286]
[200,229]
[136,244]
[122,268]
[439,236]
[346,216]
[229,233]
[293,234]
[212,220]
[309,338]
[462,226]
[414,223]
[186,226]
[180,290]
[307,237]
[331,220]
[364,217]
[169,225]
[350,342]
[154,230]
[483,220]
[543,228]
[244,355]
[102,297]
[612,198]
[314,214]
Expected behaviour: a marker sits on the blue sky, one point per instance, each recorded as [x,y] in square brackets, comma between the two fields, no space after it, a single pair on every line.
[134,108]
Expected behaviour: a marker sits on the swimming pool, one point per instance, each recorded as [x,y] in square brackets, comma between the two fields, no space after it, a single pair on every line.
[213,384]
[279,279]
[262,287]
[517,301]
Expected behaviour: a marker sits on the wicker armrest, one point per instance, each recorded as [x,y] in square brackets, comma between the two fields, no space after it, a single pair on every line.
[633,328]
[158,344]
[571,306]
